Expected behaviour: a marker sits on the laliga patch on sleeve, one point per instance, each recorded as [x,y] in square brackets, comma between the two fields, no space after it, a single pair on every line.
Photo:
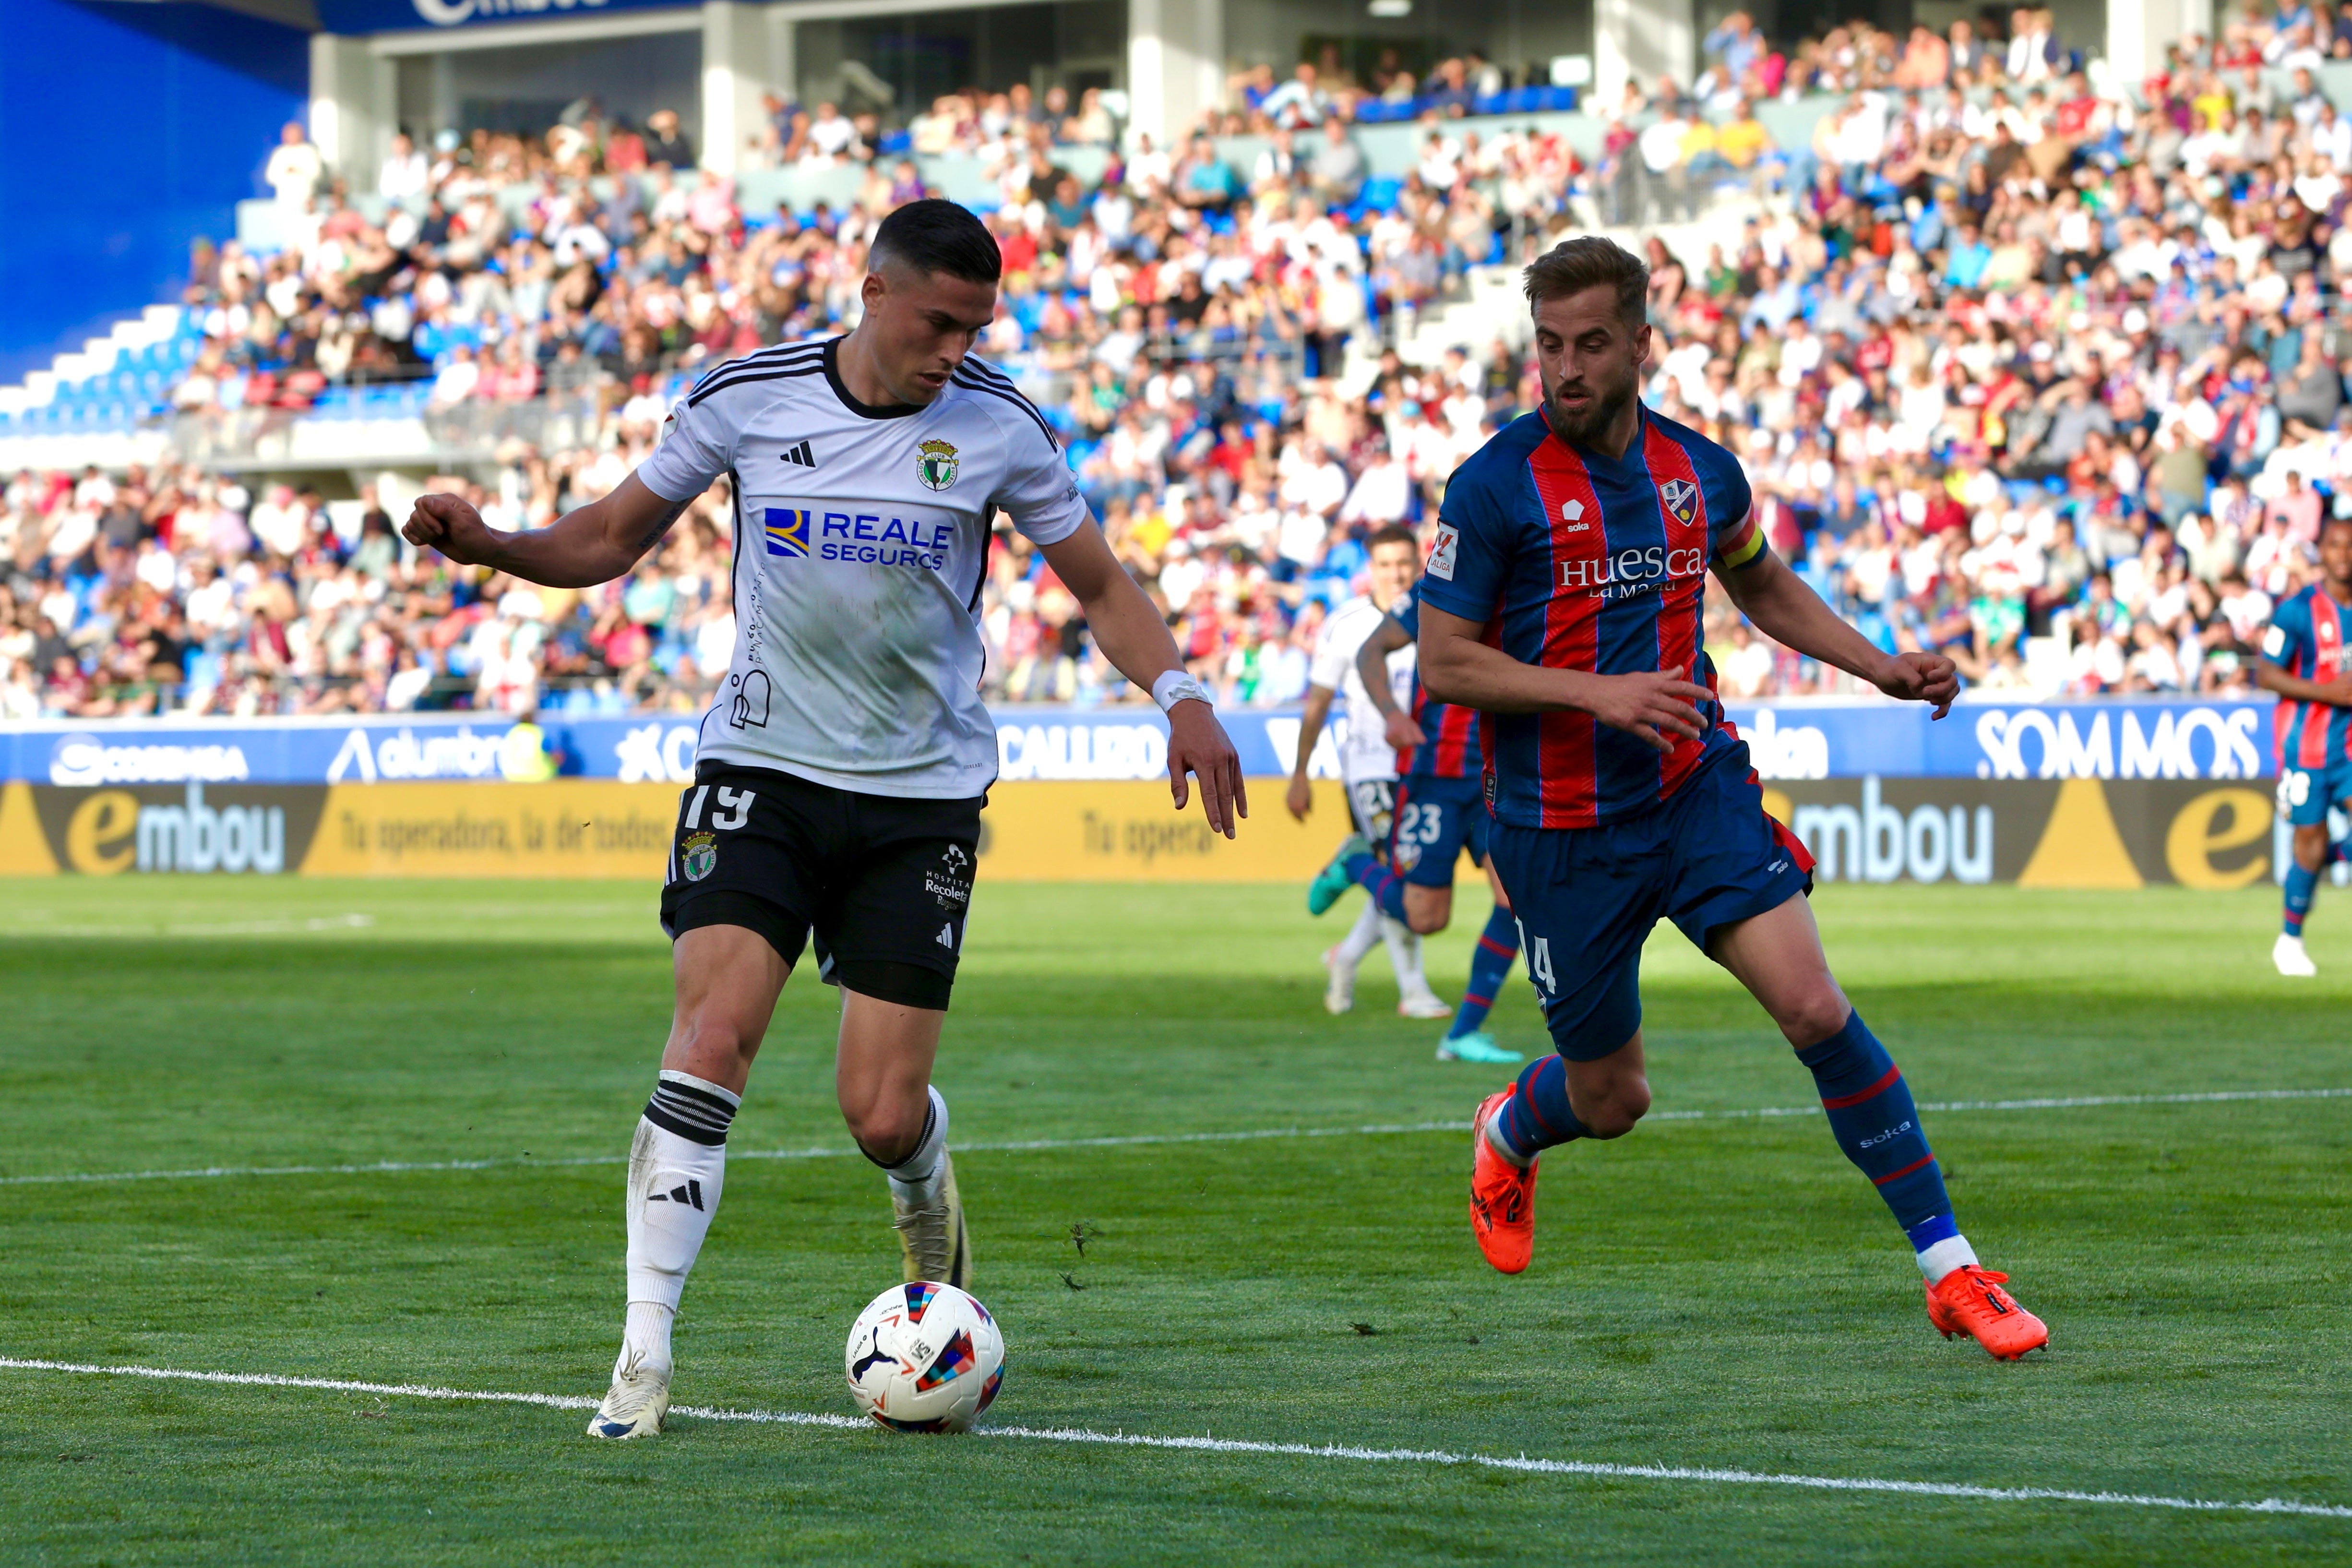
[2274,642]
[1441,553]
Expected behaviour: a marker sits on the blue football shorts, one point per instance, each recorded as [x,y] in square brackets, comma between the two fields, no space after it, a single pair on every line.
[1586,898]
[1436,820]
[2306,794]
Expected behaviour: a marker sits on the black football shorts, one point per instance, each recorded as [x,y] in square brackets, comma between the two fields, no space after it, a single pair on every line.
[883,881]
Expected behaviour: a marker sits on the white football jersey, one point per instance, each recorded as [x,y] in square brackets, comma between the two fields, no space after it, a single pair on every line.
[1364,749]
[861,539]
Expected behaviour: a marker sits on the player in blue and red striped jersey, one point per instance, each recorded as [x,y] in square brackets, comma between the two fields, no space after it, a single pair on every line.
[1438,816]
[2305,662]
[1562,600]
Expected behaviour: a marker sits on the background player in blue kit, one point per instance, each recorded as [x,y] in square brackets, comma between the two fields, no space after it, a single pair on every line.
[1562,600]
[2303,661]
[1438,816]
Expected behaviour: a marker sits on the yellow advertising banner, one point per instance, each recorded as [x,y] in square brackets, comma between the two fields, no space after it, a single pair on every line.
[2036,832]
[1031,831]
[567,827]
[1040,831]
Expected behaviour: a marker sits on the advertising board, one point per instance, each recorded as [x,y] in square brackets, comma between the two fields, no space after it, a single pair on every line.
[1795,740]
[2048,833]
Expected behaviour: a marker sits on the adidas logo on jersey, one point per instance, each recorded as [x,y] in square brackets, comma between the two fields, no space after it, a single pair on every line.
[801,454]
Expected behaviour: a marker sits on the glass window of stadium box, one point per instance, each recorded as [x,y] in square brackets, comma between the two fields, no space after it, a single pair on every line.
[894,66]
[1369,43]
[529,88]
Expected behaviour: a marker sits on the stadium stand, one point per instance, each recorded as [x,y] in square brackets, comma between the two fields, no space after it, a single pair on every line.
[2029,365]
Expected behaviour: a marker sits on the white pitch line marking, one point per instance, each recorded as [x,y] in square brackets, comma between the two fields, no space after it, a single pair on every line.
[1520,1463]
[1140,1140]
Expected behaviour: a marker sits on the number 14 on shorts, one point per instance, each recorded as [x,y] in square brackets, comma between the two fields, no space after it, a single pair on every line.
[1539,952]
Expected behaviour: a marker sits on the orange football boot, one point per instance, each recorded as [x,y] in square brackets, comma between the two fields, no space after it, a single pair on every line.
[1970,1300]
[1502,1197]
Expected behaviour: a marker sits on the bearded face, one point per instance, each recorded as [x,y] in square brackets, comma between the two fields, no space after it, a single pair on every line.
[1591,364]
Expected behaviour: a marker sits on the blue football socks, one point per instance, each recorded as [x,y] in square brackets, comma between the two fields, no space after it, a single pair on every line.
[1872,1118]
[1490,965]
[2300,886]
[1385,886]
[1538,1115]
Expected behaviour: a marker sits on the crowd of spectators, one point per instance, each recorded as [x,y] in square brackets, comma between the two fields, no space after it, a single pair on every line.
[2042,371]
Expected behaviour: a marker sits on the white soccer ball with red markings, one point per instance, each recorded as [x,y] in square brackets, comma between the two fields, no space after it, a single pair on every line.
[924,1358]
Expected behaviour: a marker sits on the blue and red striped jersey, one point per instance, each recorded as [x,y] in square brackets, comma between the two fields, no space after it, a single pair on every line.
[1573,560]
[2306,640]
[1449,732]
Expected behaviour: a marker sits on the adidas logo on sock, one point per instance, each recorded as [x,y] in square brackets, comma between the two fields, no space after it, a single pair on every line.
[691,1192]
[801,454]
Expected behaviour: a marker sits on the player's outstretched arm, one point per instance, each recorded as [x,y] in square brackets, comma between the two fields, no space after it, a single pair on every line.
[1457,666]
[1777,600]
[1372,669]
[1135,640]
[590,544]
[2274,679]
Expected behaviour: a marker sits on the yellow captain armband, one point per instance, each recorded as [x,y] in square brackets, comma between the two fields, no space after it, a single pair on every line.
[1751,546]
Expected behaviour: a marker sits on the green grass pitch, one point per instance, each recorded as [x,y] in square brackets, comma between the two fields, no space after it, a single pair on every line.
[1714,1291]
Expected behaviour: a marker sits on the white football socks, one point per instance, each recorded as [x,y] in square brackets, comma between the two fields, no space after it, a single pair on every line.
[1361,937]
[1405,955]
[1952,1252]
[678,1165]
[915,1179]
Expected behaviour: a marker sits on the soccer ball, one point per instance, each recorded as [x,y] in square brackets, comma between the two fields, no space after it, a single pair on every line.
[924,1358]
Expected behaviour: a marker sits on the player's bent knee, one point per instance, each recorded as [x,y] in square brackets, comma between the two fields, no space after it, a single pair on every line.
[1427,910]
[887,1131]
[2310,847]
[1614,1114]
[714,1032]
[1812,1017]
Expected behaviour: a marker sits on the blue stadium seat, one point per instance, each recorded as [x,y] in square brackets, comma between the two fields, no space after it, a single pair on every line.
[1379,194]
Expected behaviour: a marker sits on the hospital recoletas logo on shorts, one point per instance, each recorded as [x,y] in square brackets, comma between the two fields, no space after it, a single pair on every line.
[936,465]
[699,856]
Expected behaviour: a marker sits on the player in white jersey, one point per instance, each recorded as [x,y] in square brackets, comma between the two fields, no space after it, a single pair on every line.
[841,771]
[1368,766]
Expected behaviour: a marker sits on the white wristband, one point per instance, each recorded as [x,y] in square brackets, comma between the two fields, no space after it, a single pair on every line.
[1175,685]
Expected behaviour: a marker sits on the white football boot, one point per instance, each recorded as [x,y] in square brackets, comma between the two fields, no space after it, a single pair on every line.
[932,1237]
[637,1402]
[1423,1004]
[2287,954]
[1340,992]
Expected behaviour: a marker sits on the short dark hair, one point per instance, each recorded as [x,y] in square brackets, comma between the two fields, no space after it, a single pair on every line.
[934,236]
[1590,261]
[1393,533]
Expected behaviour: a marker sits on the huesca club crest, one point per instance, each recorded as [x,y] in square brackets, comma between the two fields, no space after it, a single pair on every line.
[935,465]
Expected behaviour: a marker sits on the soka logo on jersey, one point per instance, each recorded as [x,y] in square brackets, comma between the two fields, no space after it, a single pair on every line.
[1680,496]
[936,465]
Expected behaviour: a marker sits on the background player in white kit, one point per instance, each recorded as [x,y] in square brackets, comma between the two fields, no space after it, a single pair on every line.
[1367,765]
[841,769]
